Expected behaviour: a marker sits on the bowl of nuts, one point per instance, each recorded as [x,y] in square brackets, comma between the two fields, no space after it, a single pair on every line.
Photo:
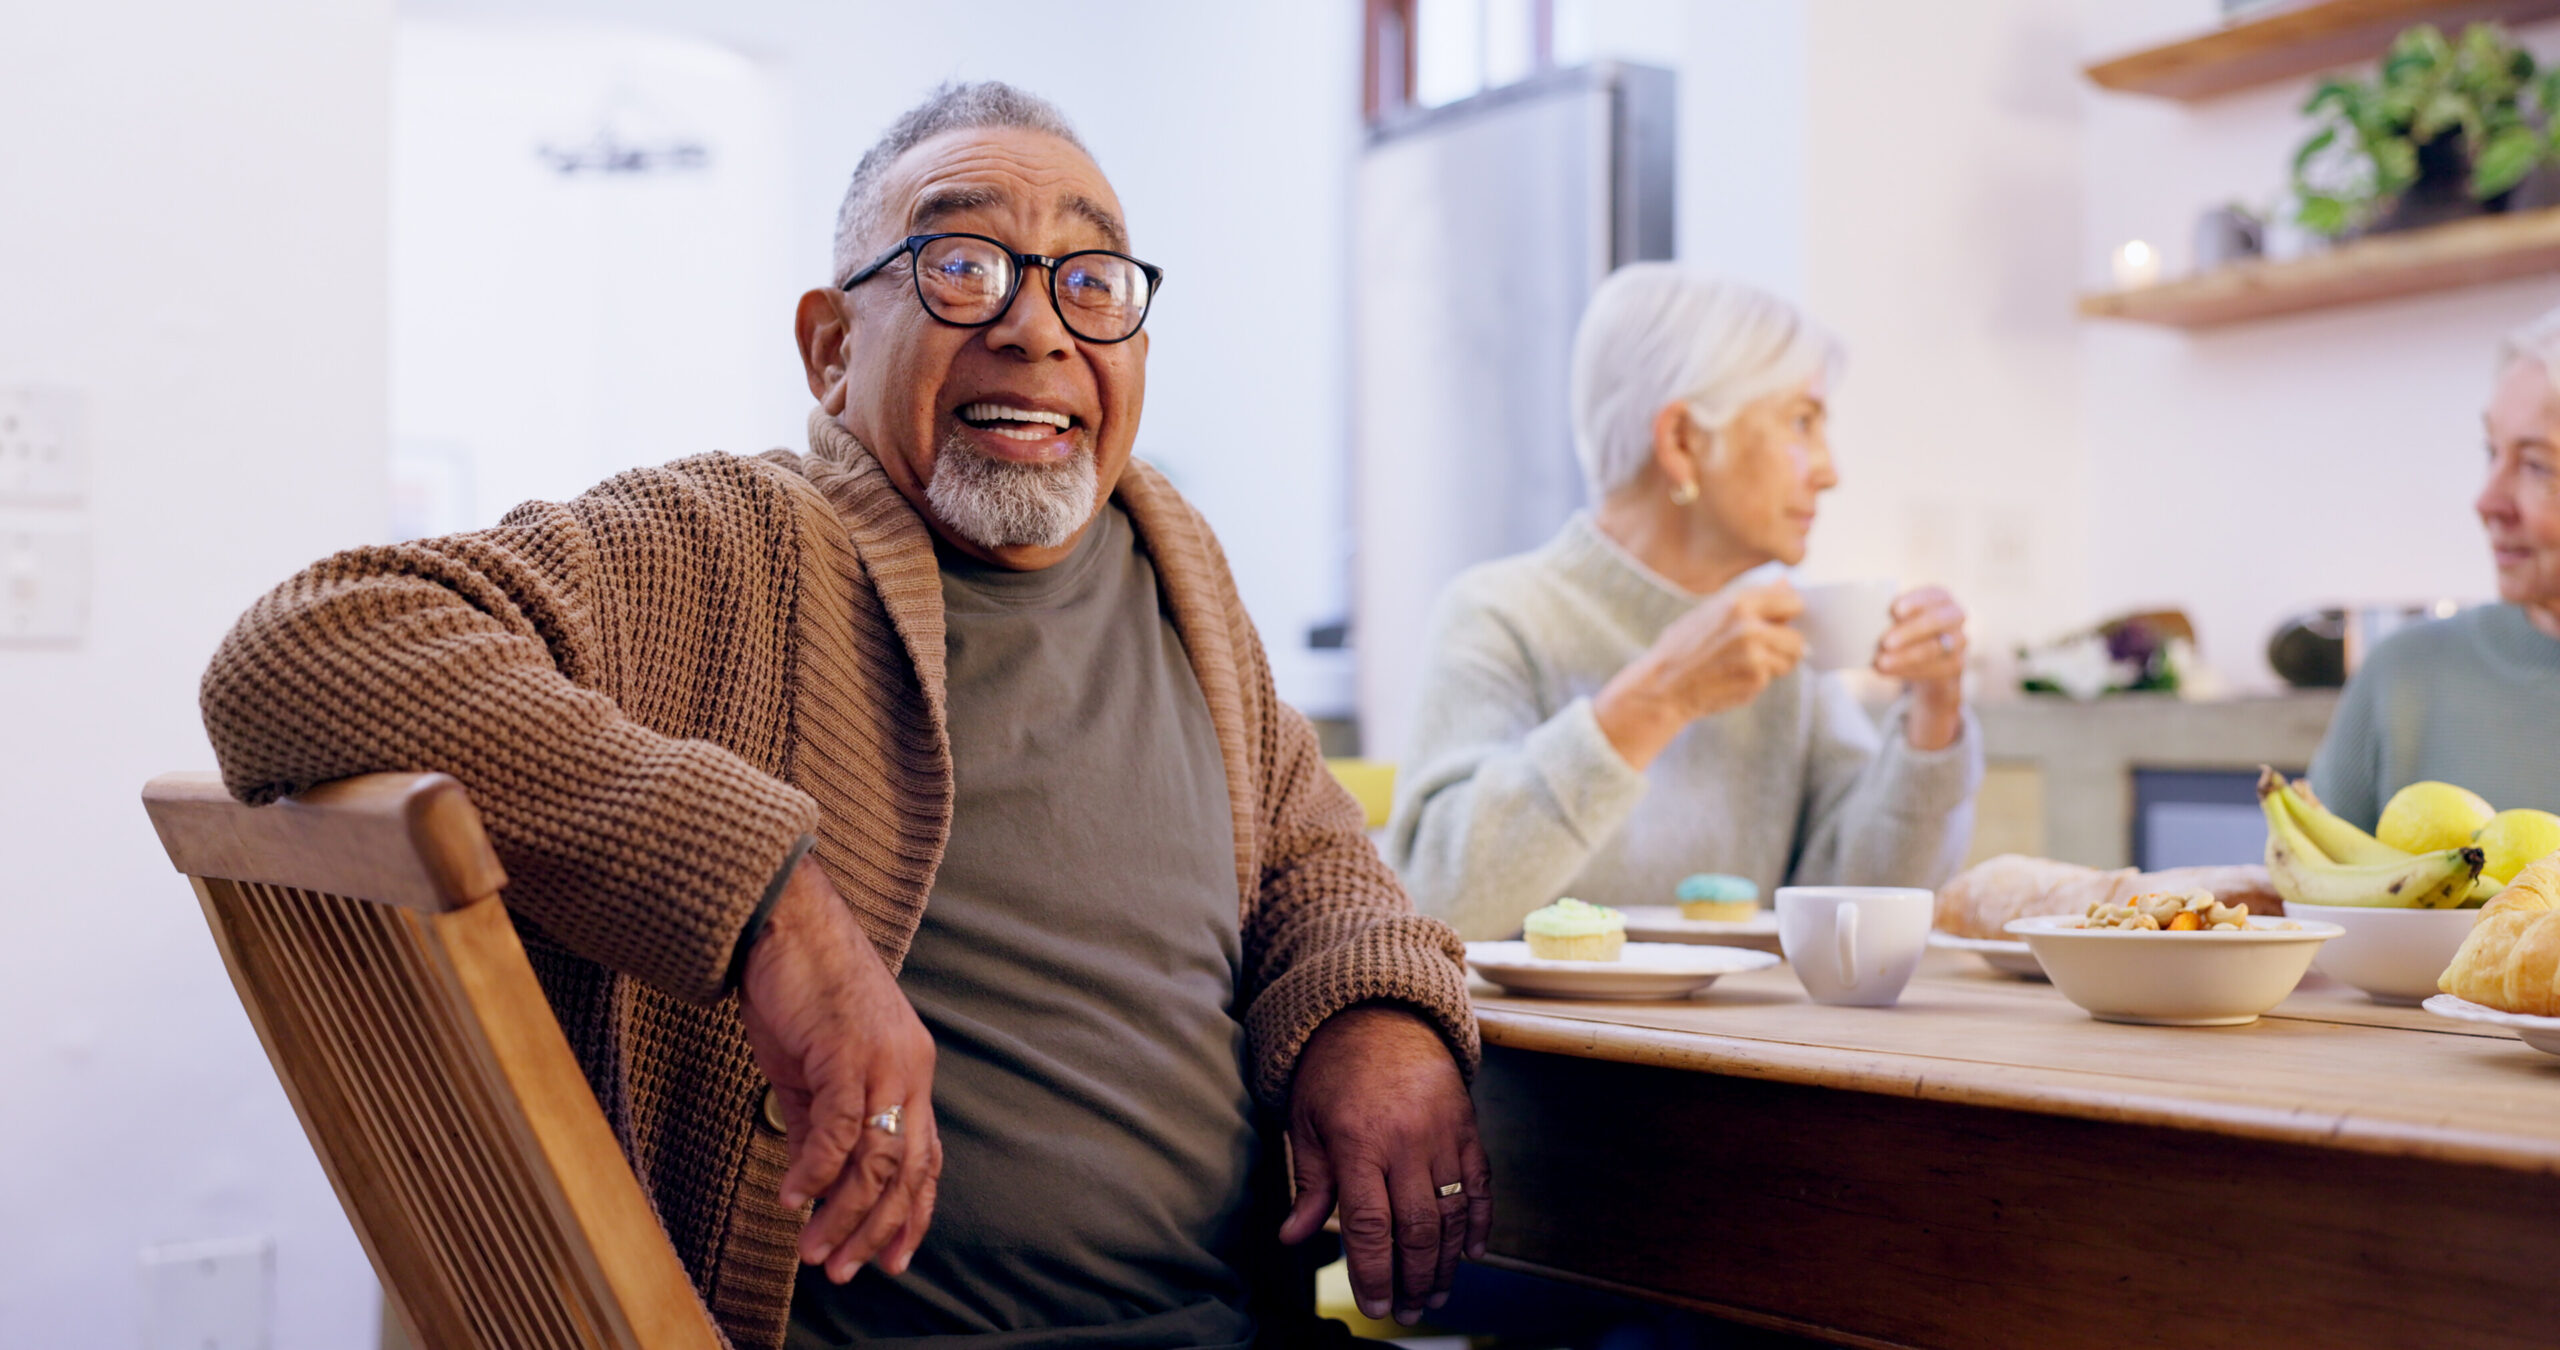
[2173,959]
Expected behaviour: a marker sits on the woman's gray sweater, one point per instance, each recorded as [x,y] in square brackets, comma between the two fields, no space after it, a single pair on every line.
[1510,795]
[2471,700]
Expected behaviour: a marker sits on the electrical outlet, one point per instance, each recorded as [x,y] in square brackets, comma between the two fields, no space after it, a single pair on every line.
[44,458]
[44,581]
[216,1295]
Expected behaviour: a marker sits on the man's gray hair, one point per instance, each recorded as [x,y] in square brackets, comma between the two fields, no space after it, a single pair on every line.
[953,106]
[2538,342]
[1658,333]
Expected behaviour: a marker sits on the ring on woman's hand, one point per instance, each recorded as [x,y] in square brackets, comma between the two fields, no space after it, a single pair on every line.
[1946,642]
[1453,1188]
[887,1121]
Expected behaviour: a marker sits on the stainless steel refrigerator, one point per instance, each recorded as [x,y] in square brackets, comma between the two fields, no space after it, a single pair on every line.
[1480,229]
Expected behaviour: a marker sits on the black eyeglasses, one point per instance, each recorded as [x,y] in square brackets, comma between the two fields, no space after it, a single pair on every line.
[969,281]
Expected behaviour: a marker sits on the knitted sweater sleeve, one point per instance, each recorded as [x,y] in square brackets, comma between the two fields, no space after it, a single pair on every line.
[1502,801]
[504,658]
[1333,927]
[1877,812]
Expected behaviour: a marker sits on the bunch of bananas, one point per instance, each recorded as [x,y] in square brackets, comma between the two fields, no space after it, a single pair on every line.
[2316,858]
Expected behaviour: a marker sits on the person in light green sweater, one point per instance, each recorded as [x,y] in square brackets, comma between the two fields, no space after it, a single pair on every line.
[1627,704]
[2474,699]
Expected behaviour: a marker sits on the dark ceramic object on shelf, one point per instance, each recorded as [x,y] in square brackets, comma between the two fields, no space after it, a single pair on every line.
[2310,650]
[2227,235]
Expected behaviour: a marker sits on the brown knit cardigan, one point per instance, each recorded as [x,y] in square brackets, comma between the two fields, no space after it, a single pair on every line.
[655,690]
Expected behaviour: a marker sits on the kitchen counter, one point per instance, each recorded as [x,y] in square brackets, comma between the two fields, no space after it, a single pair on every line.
[2061,780]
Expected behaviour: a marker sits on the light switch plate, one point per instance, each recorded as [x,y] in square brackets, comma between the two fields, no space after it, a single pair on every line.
[216,1295]
[44,453]
[44,579]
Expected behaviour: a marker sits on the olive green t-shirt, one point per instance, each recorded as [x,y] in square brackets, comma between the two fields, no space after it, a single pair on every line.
[1077,966]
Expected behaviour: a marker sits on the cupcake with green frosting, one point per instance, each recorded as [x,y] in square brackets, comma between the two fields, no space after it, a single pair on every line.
[1570,930]
[1713,895]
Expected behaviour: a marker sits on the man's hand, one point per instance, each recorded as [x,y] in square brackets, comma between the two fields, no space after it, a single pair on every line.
[841,1045]
[1379,1120]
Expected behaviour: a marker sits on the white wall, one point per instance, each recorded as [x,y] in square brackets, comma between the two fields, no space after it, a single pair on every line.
[2254,471]
[1944,154]
[550,328]
[1228,130]
[1744,100]
[193,238]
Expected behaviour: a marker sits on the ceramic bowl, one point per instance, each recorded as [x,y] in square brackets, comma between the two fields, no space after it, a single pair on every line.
[2215,979]
[2393,955]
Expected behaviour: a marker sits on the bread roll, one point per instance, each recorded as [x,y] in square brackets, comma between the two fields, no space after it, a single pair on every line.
[1980,901]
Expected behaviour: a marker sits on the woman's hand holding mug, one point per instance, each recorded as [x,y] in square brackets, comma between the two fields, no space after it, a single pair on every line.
[1925,649]
[1717,656]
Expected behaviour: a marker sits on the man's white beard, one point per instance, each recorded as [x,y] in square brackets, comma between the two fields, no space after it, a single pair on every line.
[1000,503]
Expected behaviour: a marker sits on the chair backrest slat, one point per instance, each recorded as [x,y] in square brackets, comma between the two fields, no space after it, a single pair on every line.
[414,1101]
[411,839]
[428,1071]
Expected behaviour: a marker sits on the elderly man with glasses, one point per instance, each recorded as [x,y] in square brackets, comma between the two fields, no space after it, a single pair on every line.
[909,830]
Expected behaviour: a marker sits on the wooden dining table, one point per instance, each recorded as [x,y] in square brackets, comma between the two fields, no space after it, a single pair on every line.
[1985,1165]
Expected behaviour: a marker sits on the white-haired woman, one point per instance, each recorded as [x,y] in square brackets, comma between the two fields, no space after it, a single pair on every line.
[1625,706]
[2472,699]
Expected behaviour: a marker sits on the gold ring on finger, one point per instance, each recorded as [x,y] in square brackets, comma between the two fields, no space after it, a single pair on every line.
[887,1121]
[1453,1188]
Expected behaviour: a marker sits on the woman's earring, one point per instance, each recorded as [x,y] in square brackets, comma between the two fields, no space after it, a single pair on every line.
[1683,493]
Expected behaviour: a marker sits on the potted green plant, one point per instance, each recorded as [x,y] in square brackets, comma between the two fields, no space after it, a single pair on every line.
[2445,129]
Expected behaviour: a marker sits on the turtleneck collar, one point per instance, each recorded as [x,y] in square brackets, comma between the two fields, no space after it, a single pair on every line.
[2506,636]
[1604,567]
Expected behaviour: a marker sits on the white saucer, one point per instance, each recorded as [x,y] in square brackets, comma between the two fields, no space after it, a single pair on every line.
[1643,970]
[2542,1033]
[2007,957]
[1665,923]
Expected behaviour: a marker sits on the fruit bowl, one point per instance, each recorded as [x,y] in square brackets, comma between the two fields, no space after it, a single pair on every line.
[2393,955]
[2211,979]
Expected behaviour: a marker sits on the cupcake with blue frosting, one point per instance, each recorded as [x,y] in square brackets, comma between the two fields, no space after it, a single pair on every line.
[1715,896]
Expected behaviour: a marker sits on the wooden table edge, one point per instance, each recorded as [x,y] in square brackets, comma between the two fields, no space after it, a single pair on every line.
[2082,1094]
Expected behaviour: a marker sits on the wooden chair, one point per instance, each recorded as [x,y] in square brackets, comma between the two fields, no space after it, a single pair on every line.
[362,926]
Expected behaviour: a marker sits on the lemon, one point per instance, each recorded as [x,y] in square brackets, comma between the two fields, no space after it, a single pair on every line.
[2515,838]
[2425,817]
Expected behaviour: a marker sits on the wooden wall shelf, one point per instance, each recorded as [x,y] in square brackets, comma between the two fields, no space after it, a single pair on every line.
[2412,262]
[2294,40]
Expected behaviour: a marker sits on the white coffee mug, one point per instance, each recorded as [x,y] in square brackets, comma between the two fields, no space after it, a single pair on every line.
[1842,623]
[1854,945]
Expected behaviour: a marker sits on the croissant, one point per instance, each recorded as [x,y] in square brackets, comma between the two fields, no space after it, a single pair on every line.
[1979,901]
[2511,961]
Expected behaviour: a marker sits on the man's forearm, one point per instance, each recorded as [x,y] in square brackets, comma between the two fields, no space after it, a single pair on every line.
[633,848]
[755,924]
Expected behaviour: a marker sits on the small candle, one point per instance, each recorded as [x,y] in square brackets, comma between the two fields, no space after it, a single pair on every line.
[2136,264]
